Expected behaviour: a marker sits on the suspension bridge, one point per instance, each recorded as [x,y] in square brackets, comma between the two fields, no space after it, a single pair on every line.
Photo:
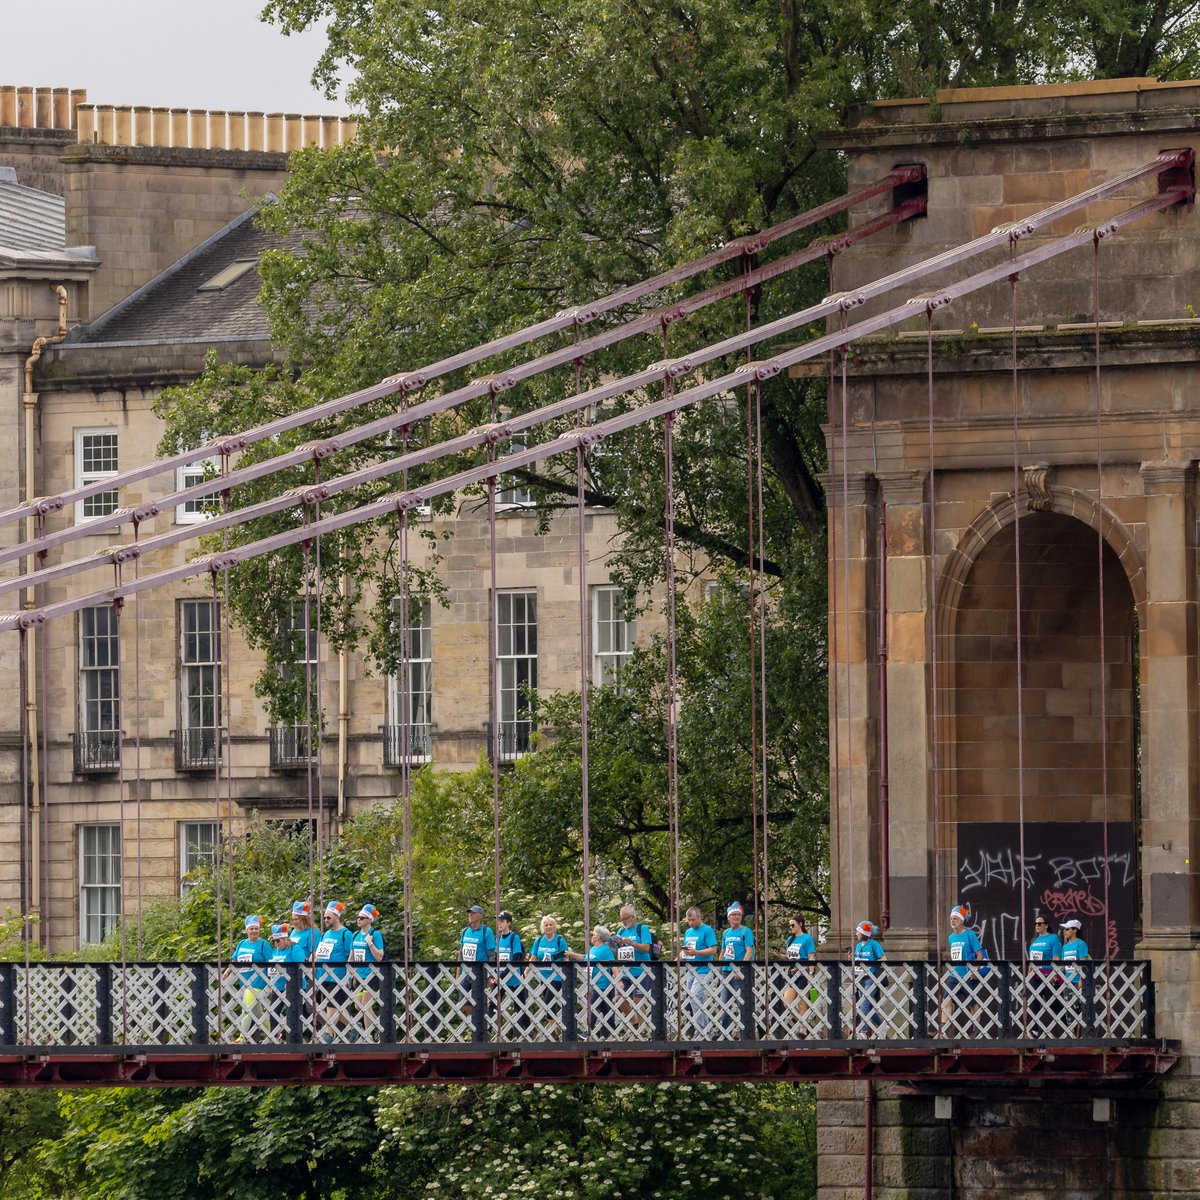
[160,1024]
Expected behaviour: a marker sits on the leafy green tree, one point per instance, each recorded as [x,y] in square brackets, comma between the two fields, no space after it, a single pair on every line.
[144,1144]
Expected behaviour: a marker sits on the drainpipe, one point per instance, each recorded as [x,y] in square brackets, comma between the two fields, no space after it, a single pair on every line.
[38,812]
[343,717]
[885,899]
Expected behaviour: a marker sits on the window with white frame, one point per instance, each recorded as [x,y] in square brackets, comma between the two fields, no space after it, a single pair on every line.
[410,693]
[516,669]
[99,695]
[198,508]
[95,461]
[199,680]
[197,849]
[99,881]
[614,632]
[292,745]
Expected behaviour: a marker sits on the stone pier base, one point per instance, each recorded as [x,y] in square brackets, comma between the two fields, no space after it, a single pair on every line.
[1011,1143]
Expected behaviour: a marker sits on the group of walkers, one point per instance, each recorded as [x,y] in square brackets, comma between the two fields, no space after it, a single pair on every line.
[959,993]
[341,994]
[341,989]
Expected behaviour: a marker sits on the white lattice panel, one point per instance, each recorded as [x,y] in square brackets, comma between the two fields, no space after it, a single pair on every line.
[878,1006]
[152,1005]
[796,1002]
[57,1006]
[963,1002]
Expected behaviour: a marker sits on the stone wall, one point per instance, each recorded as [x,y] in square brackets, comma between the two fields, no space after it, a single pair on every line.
[1011,1144]
[145,207]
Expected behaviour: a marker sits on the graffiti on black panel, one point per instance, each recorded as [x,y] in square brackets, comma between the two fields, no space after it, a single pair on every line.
[1061,874]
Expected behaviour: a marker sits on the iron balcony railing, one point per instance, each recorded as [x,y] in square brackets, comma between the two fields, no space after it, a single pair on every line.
[197,749]
[437,1004]
[291,747]
[419,744]
[97,751]
[516,739]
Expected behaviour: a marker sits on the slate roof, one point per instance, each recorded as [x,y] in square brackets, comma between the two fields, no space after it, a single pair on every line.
[33,225]
[172,307]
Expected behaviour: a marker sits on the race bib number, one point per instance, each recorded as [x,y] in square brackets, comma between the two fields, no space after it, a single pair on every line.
[730,952]
[1035,955]
[547,955]
[861,968]
[956,952]
[689,949]
[275,972]
[358,955]
[469,950]
[625,954]
[245,956]
[793,951]
[504,956]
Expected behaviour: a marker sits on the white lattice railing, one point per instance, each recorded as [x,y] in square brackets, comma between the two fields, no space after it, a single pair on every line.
[443,1004]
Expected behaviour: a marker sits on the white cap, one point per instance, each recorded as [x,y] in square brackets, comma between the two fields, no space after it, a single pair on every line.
[1071,924]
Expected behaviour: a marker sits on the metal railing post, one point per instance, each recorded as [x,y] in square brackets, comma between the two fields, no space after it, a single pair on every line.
[1089,999]
[746,985]
[1006,1013]
[387,1003]
[570,1032]
[8,1004]
[104,980]
[659,998]
[478,1002]
[295,1005]
[1148,1000]
[199,1004]
[835,1002]
[920,1004]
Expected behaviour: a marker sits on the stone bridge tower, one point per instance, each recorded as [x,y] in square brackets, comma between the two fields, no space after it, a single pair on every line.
[1087,474]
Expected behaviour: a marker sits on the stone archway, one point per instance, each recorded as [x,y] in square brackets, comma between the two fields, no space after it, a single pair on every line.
[1056,772]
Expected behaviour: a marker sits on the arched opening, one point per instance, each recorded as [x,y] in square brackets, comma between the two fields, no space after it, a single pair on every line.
[1059,761]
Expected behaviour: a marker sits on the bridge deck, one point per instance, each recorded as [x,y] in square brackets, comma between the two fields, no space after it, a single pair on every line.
[163,1024]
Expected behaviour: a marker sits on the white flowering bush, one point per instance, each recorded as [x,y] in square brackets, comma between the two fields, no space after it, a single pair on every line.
[682,1141]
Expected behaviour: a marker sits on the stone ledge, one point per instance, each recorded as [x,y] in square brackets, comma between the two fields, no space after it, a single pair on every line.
[82,153]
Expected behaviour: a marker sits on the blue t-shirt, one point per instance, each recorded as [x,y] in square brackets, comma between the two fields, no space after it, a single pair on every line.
[801,947]
[601,976]
[549,950]
[700,938]
[477,945]
[306,943]
[276,972]
[627,954]
[1045,948]
[867,953]
[734,944]
[252,952]
[360,954]
[510,950]
[334,947]
[964,947]
[1074,951]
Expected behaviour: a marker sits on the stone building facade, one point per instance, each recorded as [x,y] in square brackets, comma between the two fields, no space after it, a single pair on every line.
[1094,727]
[145,218]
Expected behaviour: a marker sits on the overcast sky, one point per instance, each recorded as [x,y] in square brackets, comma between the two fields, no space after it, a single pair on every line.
[181,53]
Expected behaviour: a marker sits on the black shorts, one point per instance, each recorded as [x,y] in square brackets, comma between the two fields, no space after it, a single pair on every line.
[334,993]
